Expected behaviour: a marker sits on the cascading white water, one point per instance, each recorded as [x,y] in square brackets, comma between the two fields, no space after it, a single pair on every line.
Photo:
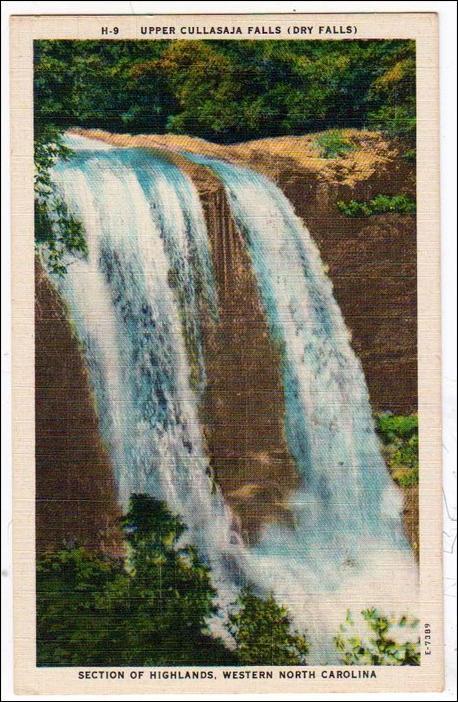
[348,537]
[146,235]
[136,303]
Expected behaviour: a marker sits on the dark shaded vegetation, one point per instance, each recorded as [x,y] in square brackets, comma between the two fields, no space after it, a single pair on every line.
[57,230]
[399,435]
[152,609]
[262,631]
[380,204]
[227,91]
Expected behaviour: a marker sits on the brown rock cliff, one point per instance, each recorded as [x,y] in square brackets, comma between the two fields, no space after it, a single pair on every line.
[75,489]
[244,410]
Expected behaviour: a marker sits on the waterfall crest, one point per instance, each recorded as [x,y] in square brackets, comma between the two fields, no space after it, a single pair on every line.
[137,302]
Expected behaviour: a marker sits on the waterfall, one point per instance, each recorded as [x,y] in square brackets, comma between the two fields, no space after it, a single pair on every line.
[348,536]
[136,303]
[147,245]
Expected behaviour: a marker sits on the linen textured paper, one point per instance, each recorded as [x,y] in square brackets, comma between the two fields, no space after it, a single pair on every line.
[226,356]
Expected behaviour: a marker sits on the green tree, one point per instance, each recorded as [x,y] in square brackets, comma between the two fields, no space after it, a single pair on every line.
[227,90]
[72,623]
[380,648]
[262,632]
[151,609]
[392,96]
[171,587]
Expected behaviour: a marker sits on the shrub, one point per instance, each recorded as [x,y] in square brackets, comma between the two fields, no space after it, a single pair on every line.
[333,144]
[75,623]
[410,155]
[396,121]
[354,208]
[262,632]
[399,435]
[380,648]
[380,204]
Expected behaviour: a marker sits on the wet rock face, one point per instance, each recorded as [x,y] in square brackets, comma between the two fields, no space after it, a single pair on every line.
[244,409]
[75,489]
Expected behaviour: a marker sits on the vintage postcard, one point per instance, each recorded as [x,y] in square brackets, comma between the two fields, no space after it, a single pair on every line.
[226,356]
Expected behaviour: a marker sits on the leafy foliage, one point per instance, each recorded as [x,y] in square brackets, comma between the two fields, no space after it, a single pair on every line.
[380,204]
[71,590]
[393,102]
[57,230]
[227,91]
[166,579]
[400,438]
[333,144]
[379,648]
[151,610]
[410,155]
[262,631]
